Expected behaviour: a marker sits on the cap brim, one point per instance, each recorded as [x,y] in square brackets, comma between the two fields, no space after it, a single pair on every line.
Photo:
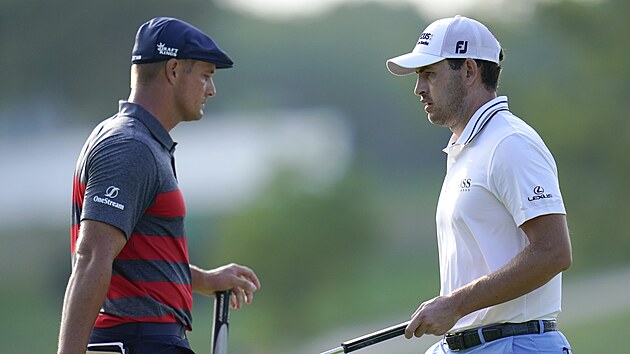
[408,63]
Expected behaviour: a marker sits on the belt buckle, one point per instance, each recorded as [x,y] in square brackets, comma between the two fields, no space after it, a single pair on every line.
[455,341]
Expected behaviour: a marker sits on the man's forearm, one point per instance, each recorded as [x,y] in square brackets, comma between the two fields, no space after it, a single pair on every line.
[528,271]
[84,297]
[547,254]
[199,284]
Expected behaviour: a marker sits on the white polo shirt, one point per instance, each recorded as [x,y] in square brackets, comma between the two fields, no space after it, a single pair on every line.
[499,175]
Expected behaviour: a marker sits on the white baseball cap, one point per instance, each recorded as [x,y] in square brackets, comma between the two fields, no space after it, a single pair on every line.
[454,37]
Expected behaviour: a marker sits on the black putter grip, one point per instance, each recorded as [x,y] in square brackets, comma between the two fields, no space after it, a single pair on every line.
[373,338]
[221,322]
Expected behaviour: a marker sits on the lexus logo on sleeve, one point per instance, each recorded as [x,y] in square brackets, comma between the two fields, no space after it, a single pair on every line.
[539,193]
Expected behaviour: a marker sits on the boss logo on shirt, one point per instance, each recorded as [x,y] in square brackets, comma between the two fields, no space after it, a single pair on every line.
[464,185]
[539,194]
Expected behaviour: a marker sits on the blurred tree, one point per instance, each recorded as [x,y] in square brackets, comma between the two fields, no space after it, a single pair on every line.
[304,247]
[70,59]
[580,83]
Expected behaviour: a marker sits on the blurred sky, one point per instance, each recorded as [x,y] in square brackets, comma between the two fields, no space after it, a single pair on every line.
[291,9]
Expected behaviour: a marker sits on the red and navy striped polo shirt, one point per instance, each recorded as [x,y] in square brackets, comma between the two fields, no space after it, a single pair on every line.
[125,177]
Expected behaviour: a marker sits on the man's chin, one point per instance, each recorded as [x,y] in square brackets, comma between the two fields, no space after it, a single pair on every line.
[435,120]
[194,118]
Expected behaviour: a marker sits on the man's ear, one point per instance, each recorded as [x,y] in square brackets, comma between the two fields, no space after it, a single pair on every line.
[472,71]
[170,69]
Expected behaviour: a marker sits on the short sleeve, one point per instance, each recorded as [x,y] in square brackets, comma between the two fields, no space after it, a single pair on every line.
[524,177]
[121,183]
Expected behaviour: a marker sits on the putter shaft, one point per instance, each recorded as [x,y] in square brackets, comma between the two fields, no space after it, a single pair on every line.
[334,351]
[370,339]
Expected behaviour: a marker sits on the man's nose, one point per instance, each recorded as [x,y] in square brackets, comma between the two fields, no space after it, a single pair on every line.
[421,87]
[211,90]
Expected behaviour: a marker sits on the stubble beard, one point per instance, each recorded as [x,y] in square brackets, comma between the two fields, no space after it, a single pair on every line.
[451,112]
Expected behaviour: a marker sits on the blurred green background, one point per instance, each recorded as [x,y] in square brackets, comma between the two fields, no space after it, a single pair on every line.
[313,165]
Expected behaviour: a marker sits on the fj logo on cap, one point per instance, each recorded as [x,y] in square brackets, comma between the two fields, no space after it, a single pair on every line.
[461,47]
[164,50]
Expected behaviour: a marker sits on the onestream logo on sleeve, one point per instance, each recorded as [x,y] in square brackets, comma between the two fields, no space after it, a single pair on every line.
[110,193]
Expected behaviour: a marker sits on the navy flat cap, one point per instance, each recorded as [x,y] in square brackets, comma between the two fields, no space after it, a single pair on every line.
[164,38]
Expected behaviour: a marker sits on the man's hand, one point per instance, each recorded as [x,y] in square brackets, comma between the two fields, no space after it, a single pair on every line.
[241,280]
[435,316]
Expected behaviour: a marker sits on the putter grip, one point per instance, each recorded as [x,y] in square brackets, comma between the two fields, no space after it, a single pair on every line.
[220,322]
[373,338]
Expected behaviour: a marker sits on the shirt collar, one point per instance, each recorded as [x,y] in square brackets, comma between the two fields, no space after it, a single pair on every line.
[478,121]
[136,111]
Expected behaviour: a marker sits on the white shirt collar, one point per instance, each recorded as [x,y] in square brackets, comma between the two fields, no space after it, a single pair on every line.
[478,121]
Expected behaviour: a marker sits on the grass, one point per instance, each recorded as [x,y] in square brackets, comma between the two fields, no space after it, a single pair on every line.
[591,336]
[31,325]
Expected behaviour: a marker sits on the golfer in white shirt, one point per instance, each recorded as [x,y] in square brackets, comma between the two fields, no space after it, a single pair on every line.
[502,233]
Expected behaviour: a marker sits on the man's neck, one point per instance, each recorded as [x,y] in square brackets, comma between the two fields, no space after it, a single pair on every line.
[475,101]
[150,101]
